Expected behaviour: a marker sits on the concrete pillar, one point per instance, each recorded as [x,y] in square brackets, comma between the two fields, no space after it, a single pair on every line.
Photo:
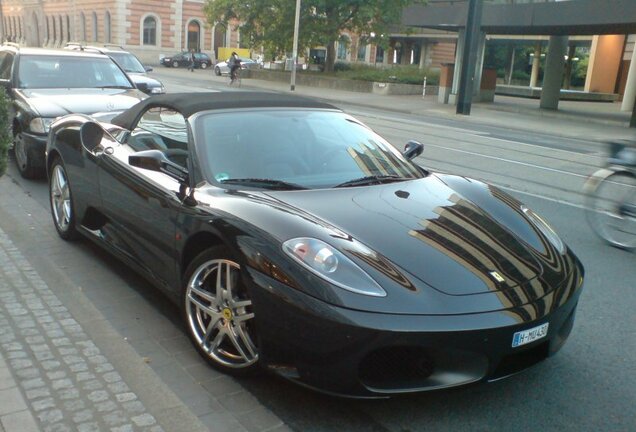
[479,64]
[553,76]
[630,87]
[606,55]
[459,52]
[536,63]
[178,24]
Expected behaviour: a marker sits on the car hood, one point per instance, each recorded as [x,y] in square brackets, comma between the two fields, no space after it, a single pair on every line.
[140,78]
[457,235]
[58,102]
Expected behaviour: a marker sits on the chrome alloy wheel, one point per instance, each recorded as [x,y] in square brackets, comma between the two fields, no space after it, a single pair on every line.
[60,198]
[220,316]
[19,150]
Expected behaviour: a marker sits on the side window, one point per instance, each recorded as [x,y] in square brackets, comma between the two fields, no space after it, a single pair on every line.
[6,61]
[162,129]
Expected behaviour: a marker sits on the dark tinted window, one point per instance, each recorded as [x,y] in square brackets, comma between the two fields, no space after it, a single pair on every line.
[6,61]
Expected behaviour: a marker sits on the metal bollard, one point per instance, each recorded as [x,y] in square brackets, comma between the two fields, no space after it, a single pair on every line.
[424,88]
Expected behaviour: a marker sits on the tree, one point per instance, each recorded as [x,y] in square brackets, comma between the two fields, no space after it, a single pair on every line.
[5,136]
[269,23]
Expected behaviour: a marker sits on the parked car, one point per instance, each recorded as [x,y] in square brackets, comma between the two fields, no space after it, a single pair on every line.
[222,68]
[201,60]
[45,84]
[296,239]
[137,72]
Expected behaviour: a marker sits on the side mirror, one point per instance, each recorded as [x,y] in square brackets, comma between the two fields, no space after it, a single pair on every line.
[148,68]
[91,135]
[412,149]
[143,87]
[155,160]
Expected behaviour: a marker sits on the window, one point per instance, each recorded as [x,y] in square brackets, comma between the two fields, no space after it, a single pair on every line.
[82,26]
[343,43]
[95,36]
[150,31]
[6,61]
[379,54]
[61,27]
[68,28]
[194,31]
[54,28]
[107,27]
[162,129]
[362,52]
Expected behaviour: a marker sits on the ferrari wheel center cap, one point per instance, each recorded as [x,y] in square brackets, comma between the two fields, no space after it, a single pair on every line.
[227,314]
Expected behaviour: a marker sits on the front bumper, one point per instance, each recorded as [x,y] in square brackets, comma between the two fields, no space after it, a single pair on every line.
[361,354]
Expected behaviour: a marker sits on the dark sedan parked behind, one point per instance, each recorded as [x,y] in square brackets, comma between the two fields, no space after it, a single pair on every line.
[201,60]
[44,84]
[296,239]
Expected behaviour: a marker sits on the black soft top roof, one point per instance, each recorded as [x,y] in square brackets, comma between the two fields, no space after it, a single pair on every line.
[191,103]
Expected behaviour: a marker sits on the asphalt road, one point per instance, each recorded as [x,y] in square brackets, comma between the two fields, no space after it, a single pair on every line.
[589,386]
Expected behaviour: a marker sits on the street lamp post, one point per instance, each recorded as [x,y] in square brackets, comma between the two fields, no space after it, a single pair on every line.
[295,47]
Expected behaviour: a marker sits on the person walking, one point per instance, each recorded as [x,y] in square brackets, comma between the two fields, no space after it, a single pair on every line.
[191,64]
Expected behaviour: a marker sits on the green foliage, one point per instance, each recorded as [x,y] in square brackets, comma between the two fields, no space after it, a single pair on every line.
[270,23]
[5,135]
[397,74]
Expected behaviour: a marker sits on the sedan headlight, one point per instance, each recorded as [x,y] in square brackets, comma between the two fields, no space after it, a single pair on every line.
[545,228]
[332,265]
[40,125]
[158,90]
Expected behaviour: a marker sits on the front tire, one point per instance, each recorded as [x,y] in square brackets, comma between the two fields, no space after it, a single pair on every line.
[217,71]
[204,65]
[22,159]
[62,202]
[218,313]
[611,208]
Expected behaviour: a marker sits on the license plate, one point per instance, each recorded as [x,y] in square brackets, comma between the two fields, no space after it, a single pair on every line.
[530,335]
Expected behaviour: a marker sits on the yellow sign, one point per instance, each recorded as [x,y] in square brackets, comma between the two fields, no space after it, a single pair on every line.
[225,53]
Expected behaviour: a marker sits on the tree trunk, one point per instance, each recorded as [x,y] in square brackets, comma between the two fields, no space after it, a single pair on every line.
[331,56]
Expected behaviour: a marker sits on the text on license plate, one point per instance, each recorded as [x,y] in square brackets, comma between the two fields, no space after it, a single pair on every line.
[530,335]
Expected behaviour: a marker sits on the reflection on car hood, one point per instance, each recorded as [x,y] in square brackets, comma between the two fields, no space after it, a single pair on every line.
[57,102]
[459,236]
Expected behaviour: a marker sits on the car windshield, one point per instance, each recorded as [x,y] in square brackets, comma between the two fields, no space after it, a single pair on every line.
[302,148]
[70,72]
[128,62]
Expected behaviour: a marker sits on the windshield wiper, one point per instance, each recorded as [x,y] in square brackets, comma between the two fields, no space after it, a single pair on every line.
[266,183]
[373,179]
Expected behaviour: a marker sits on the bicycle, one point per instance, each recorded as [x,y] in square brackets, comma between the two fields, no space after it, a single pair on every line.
[235,78]
[610,197]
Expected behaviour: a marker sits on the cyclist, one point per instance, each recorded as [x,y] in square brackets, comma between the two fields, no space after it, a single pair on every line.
[235,64]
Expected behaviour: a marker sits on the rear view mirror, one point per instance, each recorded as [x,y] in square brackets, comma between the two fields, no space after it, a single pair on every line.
[91,135]
[412,149]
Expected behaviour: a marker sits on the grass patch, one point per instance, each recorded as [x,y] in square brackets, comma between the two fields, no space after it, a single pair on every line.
[397,74]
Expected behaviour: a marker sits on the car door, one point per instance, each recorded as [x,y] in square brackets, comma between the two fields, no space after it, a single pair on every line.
[142,205]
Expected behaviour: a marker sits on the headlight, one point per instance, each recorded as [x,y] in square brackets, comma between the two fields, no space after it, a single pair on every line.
[40,125]
[332,265]
[157,90]
[545,228]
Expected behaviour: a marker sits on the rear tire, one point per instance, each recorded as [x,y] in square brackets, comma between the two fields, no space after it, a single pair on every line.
[204,65]
[218,313]
[61,201]
[217,71]
[611,209]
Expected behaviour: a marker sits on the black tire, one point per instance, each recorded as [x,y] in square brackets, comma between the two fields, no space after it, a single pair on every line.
[223,330]
[611,208]
[61,201]
[217,71]
[23,160]
[203,65]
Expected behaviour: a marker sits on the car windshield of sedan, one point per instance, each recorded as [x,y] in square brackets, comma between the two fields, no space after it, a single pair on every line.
[70,72]
[128,62]
[296,149]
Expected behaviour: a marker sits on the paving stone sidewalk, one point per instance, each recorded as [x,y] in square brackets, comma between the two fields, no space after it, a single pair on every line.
[65,379]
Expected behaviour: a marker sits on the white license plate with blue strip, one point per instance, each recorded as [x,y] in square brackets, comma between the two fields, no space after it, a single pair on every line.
[530,335]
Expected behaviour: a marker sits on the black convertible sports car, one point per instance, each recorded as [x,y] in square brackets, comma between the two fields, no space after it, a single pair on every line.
[296,239]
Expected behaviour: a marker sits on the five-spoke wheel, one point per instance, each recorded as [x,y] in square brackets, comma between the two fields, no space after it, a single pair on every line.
[61,201]
[218,312]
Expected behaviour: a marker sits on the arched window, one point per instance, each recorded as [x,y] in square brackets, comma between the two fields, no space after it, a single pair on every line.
[36,27]
[54,27]
[362,51]
[61,27]
[82,26]
[68,28]
[95,27]
[194,36]
[20,26]
[343,43]
[150,31]
[107,27]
